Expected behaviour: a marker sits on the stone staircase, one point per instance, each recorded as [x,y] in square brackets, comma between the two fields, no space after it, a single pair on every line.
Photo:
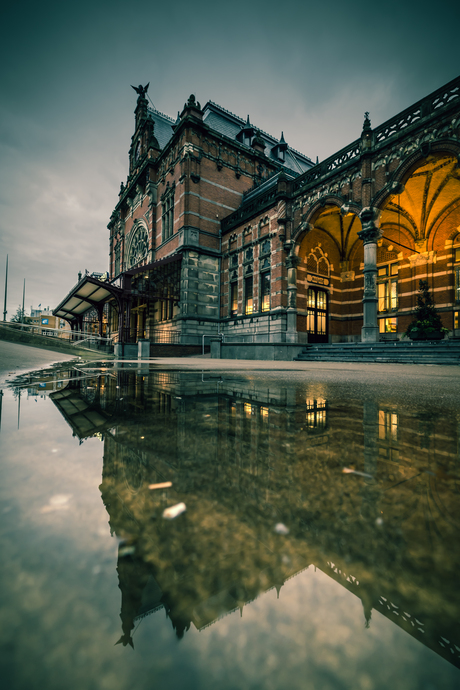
[401,351]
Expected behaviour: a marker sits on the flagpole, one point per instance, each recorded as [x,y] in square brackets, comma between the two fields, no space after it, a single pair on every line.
[6,289]
[23,299]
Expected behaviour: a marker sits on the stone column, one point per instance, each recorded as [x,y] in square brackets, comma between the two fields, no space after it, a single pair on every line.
[292,262]
[370,234]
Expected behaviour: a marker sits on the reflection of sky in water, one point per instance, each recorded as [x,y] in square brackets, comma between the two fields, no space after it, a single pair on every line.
[359,591]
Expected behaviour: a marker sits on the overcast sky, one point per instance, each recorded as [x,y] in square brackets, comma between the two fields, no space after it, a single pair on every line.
[66,104]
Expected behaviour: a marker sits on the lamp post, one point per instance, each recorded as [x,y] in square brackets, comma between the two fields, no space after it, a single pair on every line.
[23,299]
[6,290]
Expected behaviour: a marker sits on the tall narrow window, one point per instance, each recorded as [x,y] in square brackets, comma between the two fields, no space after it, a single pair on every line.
[265,291]
[248,298]
[166,309]
[168,213]
[387,287]
[234,299]
[457,273]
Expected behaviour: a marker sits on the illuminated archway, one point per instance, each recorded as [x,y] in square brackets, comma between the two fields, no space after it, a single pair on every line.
[420,220]
[423,210]
[330,268]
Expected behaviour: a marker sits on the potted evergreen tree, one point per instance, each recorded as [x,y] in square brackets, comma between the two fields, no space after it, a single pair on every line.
[427,324]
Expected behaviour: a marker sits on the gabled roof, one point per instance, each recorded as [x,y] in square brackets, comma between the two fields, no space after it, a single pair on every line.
[229,125]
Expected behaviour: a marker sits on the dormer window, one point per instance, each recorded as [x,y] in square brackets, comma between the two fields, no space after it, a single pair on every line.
[279,151]
[246,134]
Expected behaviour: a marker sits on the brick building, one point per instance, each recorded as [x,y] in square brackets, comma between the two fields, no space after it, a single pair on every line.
[224,229]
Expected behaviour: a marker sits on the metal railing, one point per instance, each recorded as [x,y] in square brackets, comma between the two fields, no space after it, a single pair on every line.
[61,334]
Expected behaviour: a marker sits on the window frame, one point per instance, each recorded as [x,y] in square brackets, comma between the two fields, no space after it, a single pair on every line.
[265,296]
[167,214]
[387,283]
[249,295]
[234,298]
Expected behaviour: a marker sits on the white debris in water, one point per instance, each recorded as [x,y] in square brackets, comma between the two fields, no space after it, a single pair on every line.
[349,470]
[174,511]
[379,522]
[281,529]
[160,485]
[57,502]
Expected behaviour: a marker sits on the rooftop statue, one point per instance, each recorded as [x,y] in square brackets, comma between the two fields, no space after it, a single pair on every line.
[141,90]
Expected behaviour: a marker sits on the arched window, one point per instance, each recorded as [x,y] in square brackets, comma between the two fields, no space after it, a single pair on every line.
[138,246]
[317,262]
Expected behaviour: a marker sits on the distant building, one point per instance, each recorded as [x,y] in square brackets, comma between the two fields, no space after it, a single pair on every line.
[223,229]
[46,323]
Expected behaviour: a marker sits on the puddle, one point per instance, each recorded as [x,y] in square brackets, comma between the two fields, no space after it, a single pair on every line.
[187,530]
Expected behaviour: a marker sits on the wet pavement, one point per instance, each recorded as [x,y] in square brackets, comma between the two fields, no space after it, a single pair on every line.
[16,358]
[312,541]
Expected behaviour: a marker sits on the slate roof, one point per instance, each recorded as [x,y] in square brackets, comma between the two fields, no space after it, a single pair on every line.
[163,126]
[226,123]
[230,125]
[265,186]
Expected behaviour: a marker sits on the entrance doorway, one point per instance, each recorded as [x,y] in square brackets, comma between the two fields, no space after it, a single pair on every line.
[317,312]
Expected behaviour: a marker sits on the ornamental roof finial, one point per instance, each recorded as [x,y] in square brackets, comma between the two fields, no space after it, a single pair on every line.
[367,121]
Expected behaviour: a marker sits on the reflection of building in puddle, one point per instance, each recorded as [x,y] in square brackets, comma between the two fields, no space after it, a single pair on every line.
[245,456]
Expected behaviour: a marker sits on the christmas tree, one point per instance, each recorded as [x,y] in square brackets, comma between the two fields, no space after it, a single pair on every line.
[427,320]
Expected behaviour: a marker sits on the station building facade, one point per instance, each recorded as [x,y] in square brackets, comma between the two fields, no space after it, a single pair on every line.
[222,229]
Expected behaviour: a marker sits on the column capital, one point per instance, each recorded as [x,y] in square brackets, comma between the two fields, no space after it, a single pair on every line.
[292,261]
[370,230]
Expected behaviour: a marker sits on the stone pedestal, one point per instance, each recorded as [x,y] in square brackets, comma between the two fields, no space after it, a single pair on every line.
[292,262]
[216,348]
[143,349]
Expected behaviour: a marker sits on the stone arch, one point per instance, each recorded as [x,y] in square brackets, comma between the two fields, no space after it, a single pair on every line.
[452,211]
[454,235]
[317,207]
[338,221]
[408,166]
[405,237]
[420,201]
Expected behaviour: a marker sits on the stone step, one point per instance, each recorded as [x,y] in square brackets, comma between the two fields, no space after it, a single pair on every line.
[436,352]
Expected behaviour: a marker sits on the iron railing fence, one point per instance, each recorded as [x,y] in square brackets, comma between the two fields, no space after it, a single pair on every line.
[133,335]
[81,338]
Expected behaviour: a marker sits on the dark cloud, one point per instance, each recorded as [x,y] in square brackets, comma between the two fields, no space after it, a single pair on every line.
[66,117]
